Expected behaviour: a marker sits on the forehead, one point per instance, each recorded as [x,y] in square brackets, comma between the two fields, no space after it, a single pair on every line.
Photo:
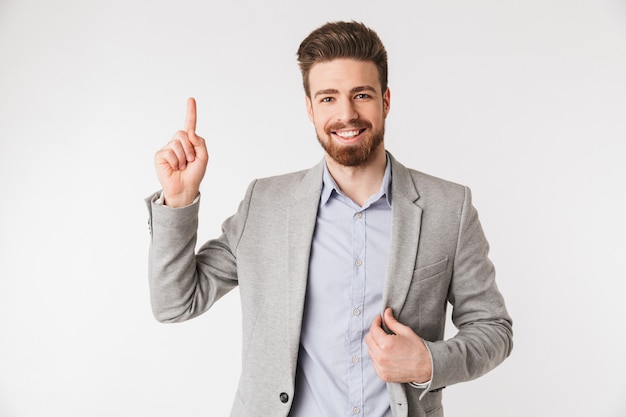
[343,74]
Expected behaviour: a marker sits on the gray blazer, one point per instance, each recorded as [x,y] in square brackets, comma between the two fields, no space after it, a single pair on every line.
[438,254]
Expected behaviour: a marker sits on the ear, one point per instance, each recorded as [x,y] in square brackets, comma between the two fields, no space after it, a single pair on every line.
[309,107]
[386,101]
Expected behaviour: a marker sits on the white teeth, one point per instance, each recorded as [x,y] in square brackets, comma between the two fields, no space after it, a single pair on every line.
[348,134]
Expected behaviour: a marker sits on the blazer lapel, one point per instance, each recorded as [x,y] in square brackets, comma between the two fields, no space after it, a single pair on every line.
[405,232]
[301,225]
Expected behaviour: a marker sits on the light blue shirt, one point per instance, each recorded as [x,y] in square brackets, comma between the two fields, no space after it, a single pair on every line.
[335,377]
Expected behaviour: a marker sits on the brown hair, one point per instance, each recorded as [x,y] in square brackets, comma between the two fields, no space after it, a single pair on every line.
[342,40]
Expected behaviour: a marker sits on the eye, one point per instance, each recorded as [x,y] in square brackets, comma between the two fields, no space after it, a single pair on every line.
[362,96]
[326,100]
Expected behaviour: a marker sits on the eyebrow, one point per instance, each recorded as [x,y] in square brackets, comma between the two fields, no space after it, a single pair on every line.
[352,91]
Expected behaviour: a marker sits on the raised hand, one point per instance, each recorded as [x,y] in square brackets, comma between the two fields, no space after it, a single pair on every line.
[398,357]
[181,164]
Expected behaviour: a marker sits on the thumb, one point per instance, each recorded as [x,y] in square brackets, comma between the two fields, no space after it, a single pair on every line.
[392,323]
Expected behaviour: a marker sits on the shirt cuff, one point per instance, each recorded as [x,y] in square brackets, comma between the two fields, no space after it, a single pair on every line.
[422,385]
[158,199]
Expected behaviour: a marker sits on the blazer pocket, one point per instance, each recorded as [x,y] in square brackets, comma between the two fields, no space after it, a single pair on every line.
[430,271]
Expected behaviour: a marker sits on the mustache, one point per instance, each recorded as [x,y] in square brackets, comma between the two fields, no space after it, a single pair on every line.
[353,124]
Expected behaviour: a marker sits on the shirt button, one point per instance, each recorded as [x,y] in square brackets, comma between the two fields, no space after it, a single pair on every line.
[356,410]
[356,311]
[358,262]
[355,359]
[359,215]
[284,397]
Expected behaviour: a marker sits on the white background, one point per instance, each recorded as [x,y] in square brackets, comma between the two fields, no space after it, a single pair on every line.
[524,101]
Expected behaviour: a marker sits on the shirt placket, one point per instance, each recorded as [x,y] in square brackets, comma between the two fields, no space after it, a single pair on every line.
[356,314]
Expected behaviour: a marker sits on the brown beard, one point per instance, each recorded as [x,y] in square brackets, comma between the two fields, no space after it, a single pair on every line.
[353,155]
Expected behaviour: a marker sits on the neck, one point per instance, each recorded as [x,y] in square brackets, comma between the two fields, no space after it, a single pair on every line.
[359,182]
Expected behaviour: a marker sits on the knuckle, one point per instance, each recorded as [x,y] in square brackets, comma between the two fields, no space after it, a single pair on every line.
[383,361]
[386,346]
[162,153]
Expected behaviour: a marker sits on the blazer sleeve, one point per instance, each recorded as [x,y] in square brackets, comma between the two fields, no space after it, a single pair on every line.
[485,336]
[183,283]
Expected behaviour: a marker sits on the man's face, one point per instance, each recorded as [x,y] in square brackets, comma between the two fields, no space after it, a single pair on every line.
[348,109]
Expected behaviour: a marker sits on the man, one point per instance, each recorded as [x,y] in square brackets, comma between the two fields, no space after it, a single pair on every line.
[345,270]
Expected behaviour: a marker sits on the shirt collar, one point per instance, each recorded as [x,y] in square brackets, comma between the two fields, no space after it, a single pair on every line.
[329,185]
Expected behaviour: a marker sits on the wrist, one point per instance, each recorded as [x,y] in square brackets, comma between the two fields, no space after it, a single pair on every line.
[179,200]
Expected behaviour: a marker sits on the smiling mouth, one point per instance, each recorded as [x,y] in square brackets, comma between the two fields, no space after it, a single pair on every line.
[348,134]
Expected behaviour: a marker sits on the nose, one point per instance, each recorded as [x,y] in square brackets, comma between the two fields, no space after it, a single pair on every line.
[347,112]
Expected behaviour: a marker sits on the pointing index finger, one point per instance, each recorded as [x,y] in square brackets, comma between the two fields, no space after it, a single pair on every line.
[190,119]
